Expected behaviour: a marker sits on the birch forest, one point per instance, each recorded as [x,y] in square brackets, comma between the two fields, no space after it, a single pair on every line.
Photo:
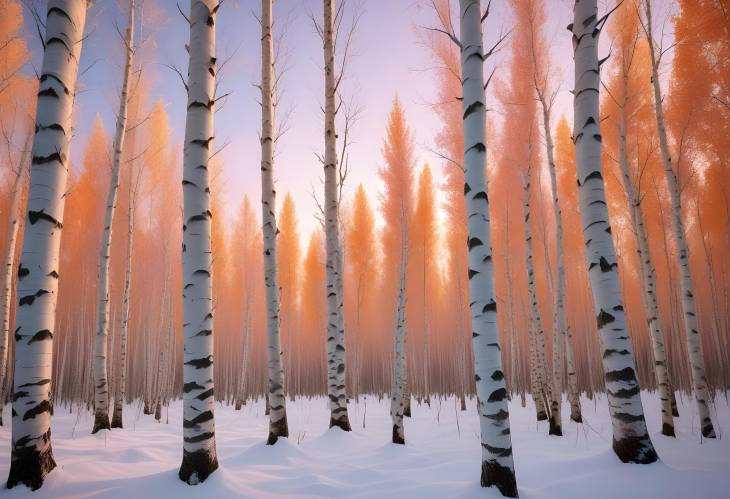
[350,248]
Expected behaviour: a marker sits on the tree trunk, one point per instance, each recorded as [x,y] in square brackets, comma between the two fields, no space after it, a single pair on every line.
[117,417]
[278,426]
[541,392]
[335,313]
[398,399]
[496,443]
[648,279]
[559,339]
[16,210]
[631,441]
[32,456]
[199,451]
[573,392]
[691,324]
[101,387]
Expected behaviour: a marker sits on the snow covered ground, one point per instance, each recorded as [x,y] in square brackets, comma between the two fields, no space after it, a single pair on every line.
[440,460]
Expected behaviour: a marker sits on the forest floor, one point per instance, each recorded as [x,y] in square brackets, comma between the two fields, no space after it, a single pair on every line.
[441,458]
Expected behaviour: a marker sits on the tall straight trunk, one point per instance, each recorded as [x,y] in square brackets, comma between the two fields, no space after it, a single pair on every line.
[497,462]
[335,313]
[573,393]
[691,324]
[117,416]
[278,426]
[400,392]
[559,325]
[199,452]
[16,210]
[538,369]
[101,387]
[648,278]
[32,456]
[631,441]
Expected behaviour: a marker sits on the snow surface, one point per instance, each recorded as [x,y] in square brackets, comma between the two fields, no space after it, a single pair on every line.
[441,458]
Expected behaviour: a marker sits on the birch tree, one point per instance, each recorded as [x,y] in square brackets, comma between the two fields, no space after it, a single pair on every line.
[335,314]
[399,390]
[497,462]
[101,387]
[691,324]
[631,441]
[32,456]
[278,426]
[199,451]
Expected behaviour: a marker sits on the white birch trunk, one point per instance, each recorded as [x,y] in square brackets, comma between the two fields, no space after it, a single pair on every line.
[573,393]
[278,426]
[559,336]
[399,395]
[16,209]
[101,386]
[496,442]
[32,457]
[117,416]
[335,313]
[538,370]
[691,324]
[199,451]
[631,441]
[648,279]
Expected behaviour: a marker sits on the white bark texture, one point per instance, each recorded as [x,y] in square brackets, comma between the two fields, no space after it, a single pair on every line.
[648,278]
[277,415]
[631,441]
[335,312]
[399,394]
[101,386]
[32,457]
[691,324]
[16,211]
[541,392]
[496,442]
[559,324]
[199,451]
[573,392]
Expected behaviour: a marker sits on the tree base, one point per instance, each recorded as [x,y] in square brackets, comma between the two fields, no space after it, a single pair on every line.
[101,421]
[541,416]
[555,428]
[397,438]
[277,429]
[343,423]
[668,430]
[638,450]
[576,418]
[29,467]
[197,466]
[117,420]
[502,477]
[708,431]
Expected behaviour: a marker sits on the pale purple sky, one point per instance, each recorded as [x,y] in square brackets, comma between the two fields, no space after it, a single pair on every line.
[388,60]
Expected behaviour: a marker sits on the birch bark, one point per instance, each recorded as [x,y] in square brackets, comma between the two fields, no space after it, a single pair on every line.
[335,313]
[16,209]
[631,441]
[691,324]
[199,450]
[32,456]
[101,387]
[399,396]
[278,426]
[648,278]
[497,462]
